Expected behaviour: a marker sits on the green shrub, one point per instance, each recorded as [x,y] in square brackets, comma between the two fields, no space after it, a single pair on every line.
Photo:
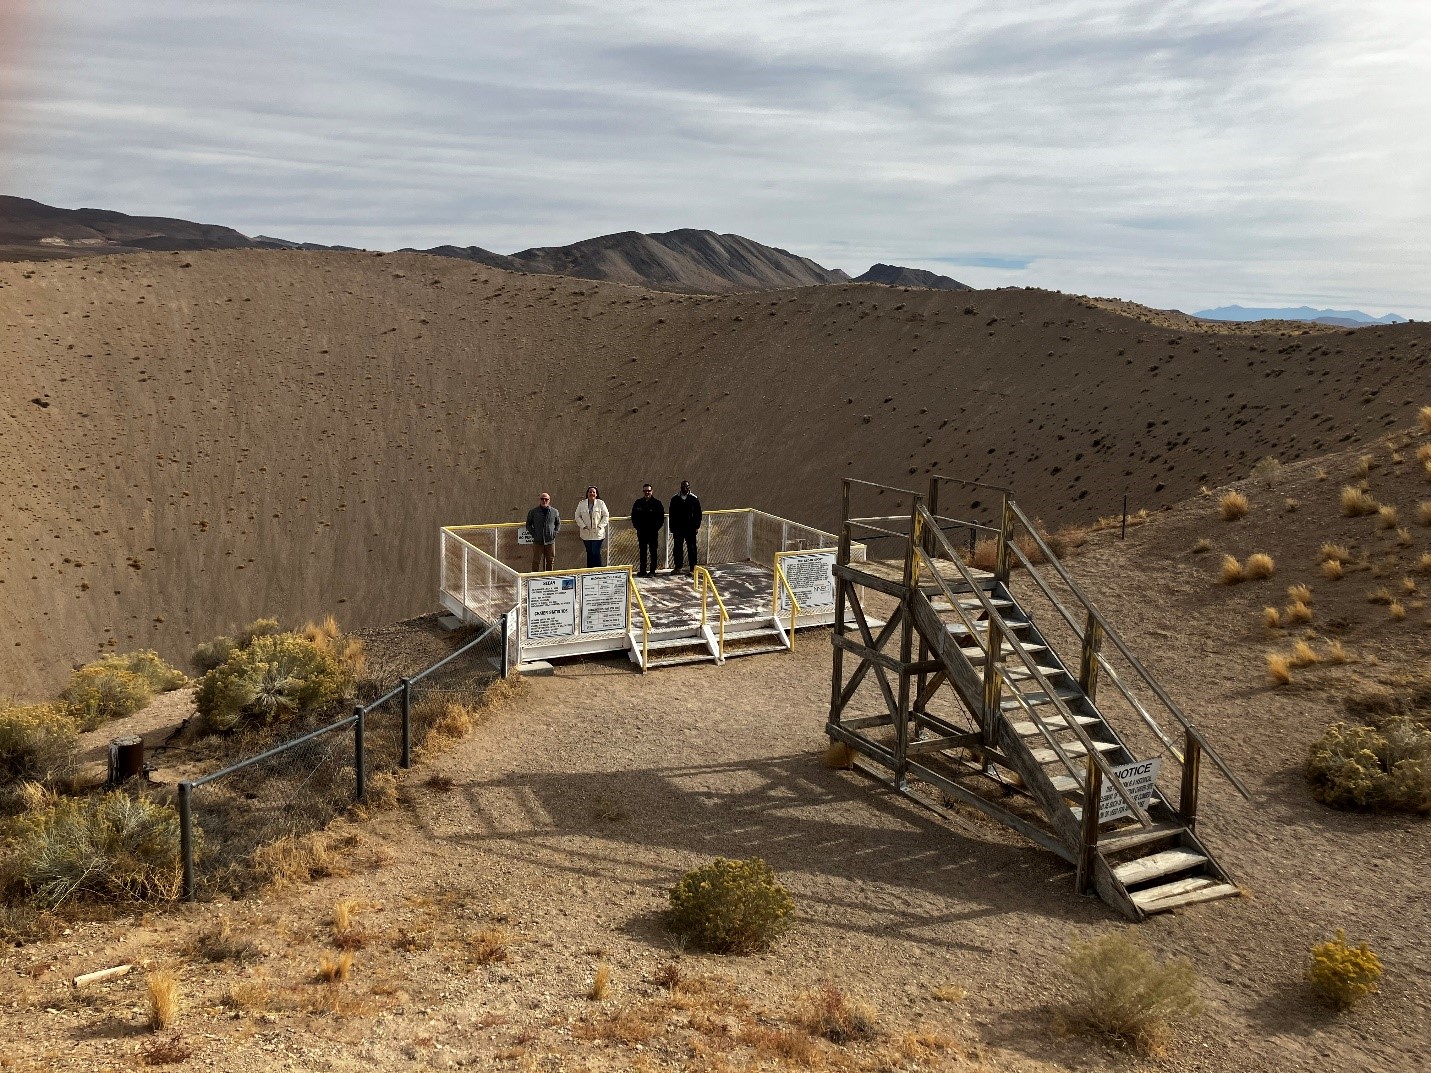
[216,653]
[36,740]
[158,675]
[259,627]
[1385,767]
[98,692]
[731,906]
[110,847]
[1117,989]
[275,679]
[1341,974]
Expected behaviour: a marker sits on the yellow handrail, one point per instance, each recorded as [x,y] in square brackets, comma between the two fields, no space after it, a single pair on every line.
[704,582]
[780,579]
[631,591]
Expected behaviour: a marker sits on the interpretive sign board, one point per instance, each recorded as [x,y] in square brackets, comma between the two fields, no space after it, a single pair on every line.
[1139,779]
[551,607]
[812,578]
[603,602]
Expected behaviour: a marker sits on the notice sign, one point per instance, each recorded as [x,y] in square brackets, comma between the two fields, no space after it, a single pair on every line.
[551,607]
[603,602]
[524,535]
[1139,779]
[811,577]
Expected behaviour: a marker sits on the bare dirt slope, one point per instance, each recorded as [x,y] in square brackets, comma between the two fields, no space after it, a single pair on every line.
[196,439]
[571,812]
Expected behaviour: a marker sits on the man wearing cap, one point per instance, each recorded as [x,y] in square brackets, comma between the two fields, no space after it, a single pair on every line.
[543,523]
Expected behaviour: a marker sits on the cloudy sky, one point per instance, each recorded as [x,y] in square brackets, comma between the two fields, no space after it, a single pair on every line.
[1182,154]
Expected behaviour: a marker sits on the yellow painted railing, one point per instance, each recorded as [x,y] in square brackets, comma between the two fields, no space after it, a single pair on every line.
[632,590]
[780,579]
[705,584]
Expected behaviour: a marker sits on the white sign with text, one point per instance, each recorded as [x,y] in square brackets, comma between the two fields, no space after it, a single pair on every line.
[811,577]
[603,602]
[1139,779]
[551,607]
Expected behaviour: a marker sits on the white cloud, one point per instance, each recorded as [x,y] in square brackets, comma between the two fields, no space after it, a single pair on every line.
[1178,153]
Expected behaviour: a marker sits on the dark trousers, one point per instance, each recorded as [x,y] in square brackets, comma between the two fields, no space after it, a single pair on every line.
[544,557]
[649,542]
[684,547]
[593,552]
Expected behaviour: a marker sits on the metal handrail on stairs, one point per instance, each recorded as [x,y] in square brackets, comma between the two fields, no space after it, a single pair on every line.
[633,590]
[996,620]
[705,584]
[781,579]
[1096,619]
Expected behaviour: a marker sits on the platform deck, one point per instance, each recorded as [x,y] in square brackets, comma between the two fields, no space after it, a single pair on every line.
[673,602]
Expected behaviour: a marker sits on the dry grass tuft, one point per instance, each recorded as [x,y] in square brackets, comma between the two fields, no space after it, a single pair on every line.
[1118,990]
[1322,474]
[1408,586]
[161,987]
[838,756]
[1231,572]
[249,996]
[1364,465]
[1333,570]
[348,933]
[630,1025]
[1203,545]
[1423,512]
[829,1012]
[1298,613]
[488,946]
[1279,669]
[165,1051]
[1233,505]
[600,984]
[949,993]
[1290,505]
[784,1045]
[334,970]
[219,942]
[1387,517]
[1337,553]
[1403,537]
[1299,594]
[1260,565]
[670,976]
[1379,596]
[1337,653]
[1356,502]
[1424,414]
[1303,655]
[1396,610]
[296,859]
[1271,618]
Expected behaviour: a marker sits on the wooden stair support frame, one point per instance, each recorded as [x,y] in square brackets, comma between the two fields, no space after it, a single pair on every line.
[994,658]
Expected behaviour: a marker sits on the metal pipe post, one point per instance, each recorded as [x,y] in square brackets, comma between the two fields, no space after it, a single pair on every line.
[186,838]
[406,724]
[360,773]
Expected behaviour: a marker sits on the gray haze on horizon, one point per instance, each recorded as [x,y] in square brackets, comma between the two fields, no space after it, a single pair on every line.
[1180,154]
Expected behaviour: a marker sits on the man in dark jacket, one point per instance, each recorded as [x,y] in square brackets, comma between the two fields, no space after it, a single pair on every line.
[685,514]
[648,518]
[543,524]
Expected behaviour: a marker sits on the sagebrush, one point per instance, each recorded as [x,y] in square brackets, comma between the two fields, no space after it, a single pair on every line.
[1119,990]
[731,906]
[1342,974]
[100,692]
[1373,767]
[37,741]
[274,680]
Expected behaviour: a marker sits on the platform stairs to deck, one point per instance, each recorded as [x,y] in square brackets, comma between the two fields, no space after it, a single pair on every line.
[702,644]
[1023,737]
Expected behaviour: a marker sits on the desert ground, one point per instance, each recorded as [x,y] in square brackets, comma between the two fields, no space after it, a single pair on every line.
[197,439]
[555,829]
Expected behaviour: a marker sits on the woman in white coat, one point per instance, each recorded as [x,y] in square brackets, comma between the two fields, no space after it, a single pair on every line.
[593,521]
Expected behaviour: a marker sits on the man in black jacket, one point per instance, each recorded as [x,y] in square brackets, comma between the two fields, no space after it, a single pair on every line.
[685,514]
[648,518]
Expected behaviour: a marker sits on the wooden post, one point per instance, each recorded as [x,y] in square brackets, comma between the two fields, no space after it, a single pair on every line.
[842,557]
[1006,536]
[906,644]
[1088,844]
[1187,798]
[1088,661]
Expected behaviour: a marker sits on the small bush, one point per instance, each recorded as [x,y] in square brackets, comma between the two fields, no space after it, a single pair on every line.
[36,742]
[109,847]
[97,693]
[1260,565]
[1356,502]
[829,1012]
[1267,469]
[162,989]
[1203,545]
[1117,989]
[274,680]
[1231,572]
[731,906]
[1279,669]
[1387,517]
[334,970]
[165,1051]
[213,654]
[158,675]
[1341,974]
[1424,414]
[219,942]
[1332,570]
[1363,767]
[1298,613]
[1232,505]
[1299,593]
[1271,618]
[1337,552]
[488,946]
[600,984]
[1396,610]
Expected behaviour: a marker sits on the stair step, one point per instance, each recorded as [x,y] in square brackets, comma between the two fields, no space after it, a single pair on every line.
[676,661]
[1117,841]
[1074,749]
[976,655]
[754,650]
[971,604]
[1039,698]
[674,642]
[961,630]
[1156,865]
[741,635]
[1027,729]
[1182,892]
[1023,674]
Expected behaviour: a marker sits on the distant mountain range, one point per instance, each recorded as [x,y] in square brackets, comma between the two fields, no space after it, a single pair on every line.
[1349,318]
[689,260]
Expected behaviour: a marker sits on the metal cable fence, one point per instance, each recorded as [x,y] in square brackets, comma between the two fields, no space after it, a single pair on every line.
[239,824]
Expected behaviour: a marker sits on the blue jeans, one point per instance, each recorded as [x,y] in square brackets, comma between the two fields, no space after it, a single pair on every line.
[593,552]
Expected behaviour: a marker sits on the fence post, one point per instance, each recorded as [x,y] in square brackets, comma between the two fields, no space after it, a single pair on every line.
[186,838]
[406,723]
[360,780]
[506,620]
[1187,798]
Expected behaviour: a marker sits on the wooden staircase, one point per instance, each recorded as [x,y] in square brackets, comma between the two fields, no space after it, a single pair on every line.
[1027,741]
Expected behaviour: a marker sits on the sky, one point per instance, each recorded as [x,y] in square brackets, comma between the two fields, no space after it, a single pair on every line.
[1179,154]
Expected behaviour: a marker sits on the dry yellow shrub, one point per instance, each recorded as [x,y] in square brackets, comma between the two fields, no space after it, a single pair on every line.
[1279,669]
[1232,505]
[1231,572]
[1260,565]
